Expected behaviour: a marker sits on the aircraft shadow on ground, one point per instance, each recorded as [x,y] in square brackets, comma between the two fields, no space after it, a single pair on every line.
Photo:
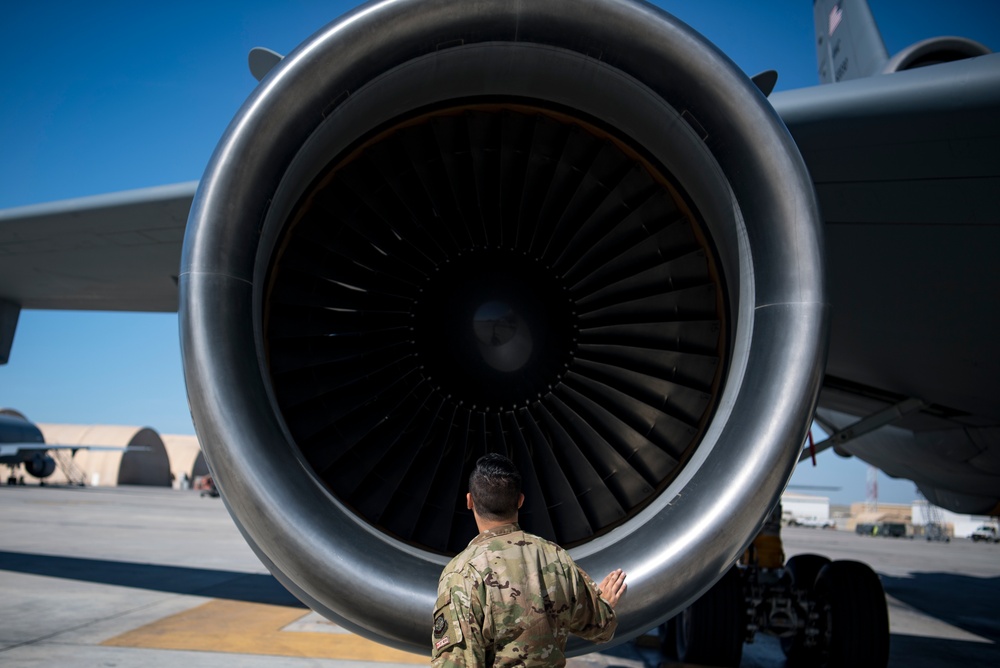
[939,652]
[233,585]
[963,601]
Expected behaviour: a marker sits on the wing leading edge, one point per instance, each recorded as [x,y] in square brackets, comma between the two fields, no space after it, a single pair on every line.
[116,252]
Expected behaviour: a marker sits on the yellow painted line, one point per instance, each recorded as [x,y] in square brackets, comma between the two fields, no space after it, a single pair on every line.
[254,628]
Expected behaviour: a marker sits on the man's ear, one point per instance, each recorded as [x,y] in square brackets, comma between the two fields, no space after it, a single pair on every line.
[520,500]
[468,500]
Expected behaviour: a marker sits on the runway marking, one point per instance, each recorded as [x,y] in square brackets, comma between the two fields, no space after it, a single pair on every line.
[237,627]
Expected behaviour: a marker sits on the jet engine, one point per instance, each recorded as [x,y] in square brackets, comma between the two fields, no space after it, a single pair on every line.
[934,51]
[40,465]
[571,231]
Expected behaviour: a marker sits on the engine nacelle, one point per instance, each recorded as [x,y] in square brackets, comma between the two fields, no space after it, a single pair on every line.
[934,51]
[567,230]
[40,465]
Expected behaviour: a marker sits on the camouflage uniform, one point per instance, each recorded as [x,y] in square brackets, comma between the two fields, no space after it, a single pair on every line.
[512,599]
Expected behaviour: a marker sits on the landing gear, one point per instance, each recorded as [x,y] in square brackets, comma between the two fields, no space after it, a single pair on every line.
[711,631]
[802,648]
[854,619]
[825,613]
[12,476]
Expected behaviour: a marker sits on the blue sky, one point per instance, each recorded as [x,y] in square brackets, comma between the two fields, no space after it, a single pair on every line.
[110,96]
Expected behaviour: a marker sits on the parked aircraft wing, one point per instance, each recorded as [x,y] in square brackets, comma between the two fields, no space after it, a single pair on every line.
[12,449]
[116,252]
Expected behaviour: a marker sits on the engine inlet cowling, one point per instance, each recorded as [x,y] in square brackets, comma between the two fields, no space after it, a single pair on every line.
[40,465]
[934,51]
[572,233]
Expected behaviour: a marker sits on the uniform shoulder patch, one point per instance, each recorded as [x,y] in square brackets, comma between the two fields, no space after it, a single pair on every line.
[440,626]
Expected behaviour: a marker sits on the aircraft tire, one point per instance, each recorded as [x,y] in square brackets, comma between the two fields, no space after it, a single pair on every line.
[856,619]
[803,568]
[711,630]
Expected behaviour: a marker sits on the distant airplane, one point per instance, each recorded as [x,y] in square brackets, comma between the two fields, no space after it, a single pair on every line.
[22,444]
[681,267]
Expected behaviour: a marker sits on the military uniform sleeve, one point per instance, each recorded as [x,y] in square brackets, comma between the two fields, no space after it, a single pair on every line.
[594,619]
[457,632]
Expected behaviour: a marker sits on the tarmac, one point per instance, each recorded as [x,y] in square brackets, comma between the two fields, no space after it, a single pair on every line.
[135,576]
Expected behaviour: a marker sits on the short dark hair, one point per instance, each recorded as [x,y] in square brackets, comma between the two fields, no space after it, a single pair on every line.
[495,485]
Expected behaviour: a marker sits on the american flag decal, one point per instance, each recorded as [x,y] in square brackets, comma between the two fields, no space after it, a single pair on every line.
[836,16]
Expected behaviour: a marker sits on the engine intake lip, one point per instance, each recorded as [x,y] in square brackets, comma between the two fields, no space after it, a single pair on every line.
[674,95]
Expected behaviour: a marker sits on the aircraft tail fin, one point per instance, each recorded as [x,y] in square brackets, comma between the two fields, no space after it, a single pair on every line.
[848,42]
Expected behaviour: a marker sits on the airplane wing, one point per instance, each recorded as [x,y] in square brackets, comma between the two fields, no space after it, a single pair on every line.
[906,170]
[15,449]
[116,252]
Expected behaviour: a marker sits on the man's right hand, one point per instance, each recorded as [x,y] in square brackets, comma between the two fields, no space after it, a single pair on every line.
[613,587]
